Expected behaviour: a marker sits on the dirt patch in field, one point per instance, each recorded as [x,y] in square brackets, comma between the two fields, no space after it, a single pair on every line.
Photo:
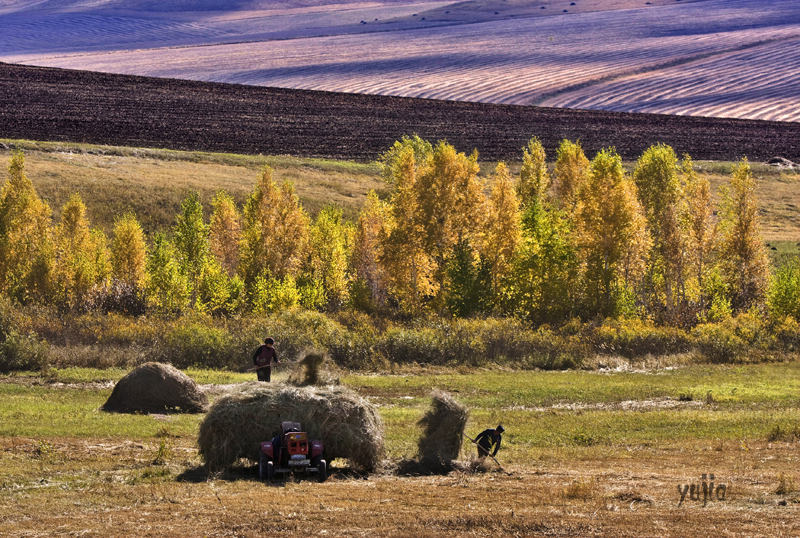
[80,106]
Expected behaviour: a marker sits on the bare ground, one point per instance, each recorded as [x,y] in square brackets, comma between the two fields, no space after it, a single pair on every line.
[100,486]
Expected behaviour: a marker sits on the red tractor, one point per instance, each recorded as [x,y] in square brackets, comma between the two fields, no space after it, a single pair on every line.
[291,452]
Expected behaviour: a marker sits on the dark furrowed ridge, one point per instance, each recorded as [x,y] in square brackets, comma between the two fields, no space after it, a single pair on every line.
[50,104]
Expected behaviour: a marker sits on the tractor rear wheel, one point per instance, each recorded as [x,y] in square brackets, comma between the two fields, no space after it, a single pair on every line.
[322,471]
[266,469]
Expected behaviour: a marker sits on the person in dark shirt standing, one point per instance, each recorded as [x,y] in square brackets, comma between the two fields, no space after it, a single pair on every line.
[488,438]
[264,357]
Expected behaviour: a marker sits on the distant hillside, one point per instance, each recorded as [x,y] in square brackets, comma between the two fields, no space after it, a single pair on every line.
[54,104]
[717,58]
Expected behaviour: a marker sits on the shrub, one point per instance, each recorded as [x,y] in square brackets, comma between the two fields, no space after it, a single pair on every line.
[634,337]
[733,339]
[22,352]
[199,344]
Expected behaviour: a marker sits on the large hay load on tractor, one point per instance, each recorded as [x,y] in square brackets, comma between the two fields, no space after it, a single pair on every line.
[238,423]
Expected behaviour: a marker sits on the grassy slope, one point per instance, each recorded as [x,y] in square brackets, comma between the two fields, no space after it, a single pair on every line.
[153,182]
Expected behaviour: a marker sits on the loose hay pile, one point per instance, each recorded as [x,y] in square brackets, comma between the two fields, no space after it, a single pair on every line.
[313,372]
[346,423]
[156,388]
[443,432]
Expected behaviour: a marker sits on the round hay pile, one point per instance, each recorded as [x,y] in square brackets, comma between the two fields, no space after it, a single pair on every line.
[236,424]
[156,388]
[443,432]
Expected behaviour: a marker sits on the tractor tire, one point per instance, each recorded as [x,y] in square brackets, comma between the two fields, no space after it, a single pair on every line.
[322,471]
[270,471]
[262,467]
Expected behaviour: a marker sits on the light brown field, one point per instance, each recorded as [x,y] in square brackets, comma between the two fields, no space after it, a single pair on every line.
[152,183]
[94,487]
[731,58]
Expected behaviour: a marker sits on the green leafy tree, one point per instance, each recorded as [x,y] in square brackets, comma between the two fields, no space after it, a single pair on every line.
[390,160]
[543,283]
[218,293]
[783,294]
[191,242]
[469,282]
[168,287]
[742,255]
[27,258]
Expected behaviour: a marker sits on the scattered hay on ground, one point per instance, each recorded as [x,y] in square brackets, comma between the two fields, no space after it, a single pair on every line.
[316,371]
[236,424]
[156,388]
[443,433]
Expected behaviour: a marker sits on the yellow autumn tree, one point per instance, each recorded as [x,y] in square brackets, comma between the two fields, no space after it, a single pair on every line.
[406,264]
[700,227]
[129,252]
[368,288]
[451,206]
[570,172]
[741,247]
[533,177]
[503,225]
[225,232]
[329,240]
[611,233]
[81,260]
[274,239]
[660,192]
[26,249]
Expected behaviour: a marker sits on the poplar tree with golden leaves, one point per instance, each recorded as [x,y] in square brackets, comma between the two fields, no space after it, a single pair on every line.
[533,177]
[274,232]
[81,258]
[368,286]
[659,189]
[26,249]
[611,234]
[742,255]
[225,232]
[407,266]
[502,227]
[451,206]
[571,171]
[129,252]
[330,240]
[699,214]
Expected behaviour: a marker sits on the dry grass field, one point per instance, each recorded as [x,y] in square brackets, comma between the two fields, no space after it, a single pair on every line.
[152,183]
[581,459]
[727,58]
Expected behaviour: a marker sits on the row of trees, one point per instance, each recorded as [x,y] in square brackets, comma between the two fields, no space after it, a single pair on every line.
[587,239]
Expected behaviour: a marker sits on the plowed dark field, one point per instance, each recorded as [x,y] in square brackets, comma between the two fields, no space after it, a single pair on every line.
[80,106]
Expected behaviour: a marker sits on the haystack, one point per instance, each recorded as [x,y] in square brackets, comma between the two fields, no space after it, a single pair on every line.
[443,432]
[347,424]
[156,388]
